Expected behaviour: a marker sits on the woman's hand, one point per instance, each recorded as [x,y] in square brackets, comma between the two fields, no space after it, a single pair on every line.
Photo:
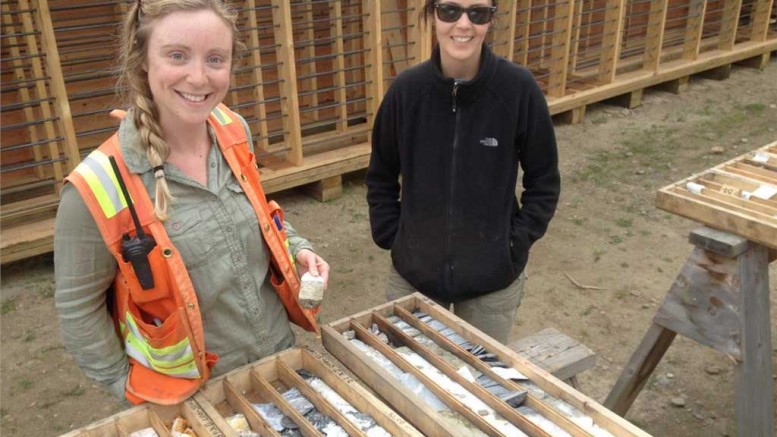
[308,261]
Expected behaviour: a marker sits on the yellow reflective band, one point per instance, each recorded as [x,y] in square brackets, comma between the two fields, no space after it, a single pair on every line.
[288,250]
[221,116]
[176,360]
[98,174]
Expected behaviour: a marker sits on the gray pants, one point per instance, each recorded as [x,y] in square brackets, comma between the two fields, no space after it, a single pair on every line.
[493,313]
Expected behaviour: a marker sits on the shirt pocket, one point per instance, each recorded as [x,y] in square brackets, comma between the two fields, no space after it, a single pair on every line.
[188,233]
[241,203]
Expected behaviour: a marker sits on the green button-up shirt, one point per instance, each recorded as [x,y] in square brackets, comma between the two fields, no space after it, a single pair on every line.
[216,231]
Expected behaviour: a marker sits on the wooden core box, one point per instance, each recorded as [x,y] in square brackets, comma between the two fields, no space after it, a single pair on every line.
[265,382]
[738,196]
[158,417]
[563,410]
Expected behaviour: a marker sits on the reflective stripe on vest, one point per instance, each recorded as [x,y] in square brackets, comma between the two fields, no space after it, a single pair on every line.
[176,360]
[221,116]
[97,172]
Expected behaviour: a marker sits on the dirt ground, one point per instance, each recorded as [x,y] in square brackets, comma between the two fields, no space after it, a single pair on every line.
[607,233]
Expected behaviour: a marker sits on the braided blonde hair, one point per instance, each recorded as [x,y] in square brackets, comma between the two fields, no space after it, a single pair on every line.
[133,80]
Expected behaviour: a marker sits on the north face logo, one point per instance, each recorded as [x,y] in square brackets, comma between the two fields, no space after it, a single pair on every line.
[489,142]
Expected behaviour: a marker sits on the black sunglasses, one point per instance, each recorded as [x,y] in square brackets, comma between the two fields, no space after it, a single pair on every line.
[451,12]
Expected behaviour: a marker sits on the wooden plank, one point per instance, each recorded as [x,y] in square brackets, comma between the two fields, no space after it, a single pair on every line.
[241,404]
[292,131]
[454,403]
[611,40]
[392,35]
[559,51]
[753,382]
[654,38]
[504,33]
[426,419]
[576,26]
[547,382]
[573,116]
[669,71]
[267,391]
[639,368]
[317,167]
[531,401]
[351,391]
[309,52]
[57,81]
[719,217]
[260,109]
[693,29]
[19,74]
[629,100]
[702,303]
[728,24]
[325,189]
[341,347]
[555,352]
[523,31]
[500,407]
[759,20]
[291,379]
[758,62]
[340,95]
[373,71]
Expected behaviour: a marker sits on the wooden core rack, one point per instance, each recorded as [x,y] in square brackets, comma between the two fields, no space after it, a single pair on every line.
[314,71]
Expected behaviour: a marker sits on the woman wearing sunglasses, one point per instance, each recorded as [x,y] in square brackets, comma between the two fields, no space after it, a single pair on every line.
[455,129]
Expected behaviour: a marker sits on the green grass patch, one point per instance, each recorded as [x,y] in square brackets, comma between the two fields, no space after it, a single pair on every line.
[26,384]
[8,306]
[624,223]
[639,149]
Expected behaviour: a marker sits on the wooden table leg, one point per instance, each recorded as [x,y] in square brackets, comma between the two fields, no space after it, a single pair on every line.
[637,371]
[753,384]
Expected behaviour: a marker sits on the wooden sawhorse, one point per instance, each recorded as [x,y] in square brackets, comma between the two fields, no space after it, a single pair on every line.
[720,299]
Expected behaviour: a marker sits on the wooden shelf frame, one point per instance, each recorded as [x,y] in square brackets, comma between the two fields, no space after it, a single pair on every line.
[315,71]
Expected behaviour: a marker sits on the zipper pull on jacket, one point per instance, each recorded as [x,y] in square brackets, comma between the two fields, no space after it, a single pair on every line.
[455,91]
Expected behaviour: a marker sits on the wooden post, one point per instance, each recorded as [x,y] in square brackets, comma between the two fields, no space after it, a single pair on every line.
[693,29]
[639,368]
[728,25]
[260,109]
[287,70]
[395,42]
[373,42]
[654,39]
[505,35]
[57,82]
[24,93]
[611,40]
[309,68]
[559,52]
[760,20]
[753,383]
[523,31]
[341,96]
[578,22]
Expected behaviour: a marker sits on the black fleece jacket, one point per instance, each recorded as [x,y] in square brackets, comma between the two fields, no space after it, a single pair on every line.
[457,230]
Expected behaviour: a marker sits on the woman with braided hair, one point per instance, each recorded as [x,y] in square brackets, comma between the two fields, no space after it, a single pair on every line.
[205,278]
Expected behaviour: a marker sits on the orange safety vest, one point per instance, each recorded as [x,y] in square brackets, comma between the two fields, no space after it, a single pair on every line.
[162,327]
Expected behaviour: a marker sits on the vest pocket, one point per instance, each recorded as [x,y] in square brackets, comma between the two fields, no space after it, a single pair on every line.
[162,345]
[161,288]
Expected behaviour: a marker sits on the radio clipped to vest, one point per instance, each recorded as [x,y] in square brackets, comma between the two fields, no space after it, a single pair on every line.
[135,249]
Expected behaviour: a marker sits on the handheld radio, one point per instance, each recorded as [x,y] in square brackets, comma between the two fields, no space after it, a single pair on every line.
[135,249]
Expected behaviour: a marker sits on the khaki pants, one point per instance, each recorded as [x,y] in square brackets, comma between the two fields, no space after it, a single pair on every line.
[493,313]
